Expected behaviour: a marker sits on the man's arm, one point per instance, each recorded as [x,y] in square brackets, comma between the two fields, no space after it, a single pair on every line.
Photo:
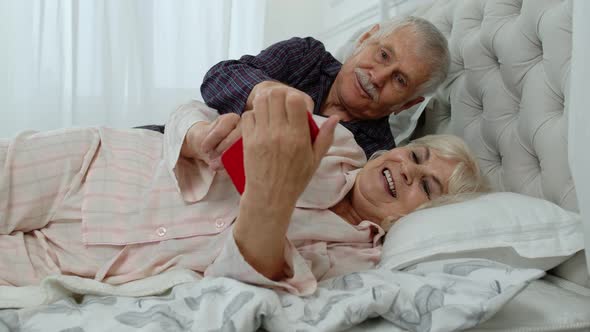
[230,86]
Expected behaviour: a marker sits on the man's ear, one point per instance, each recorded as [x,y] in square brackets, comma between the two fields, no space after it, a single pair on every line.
[367,34]
[410,103]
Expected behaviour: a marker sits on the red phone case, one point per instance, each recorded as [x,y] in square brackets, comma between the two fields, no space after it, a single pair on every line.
[233,158]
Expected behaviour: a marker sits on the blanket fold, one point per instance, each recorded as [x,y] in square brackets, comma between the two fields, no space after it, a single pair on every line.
[445,295]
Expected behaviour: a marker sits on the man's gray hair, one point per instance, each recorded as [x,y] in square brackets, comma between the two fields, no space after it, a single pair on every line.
[433,47]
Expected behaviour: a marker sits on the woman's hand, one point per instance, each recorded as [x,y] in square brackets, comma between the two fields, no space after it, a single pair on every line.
[279,158]
[207,141]
[279,161]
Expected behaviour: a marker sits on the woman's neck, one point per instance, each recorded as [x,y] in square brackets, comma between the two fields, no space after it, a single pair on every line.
[345,210]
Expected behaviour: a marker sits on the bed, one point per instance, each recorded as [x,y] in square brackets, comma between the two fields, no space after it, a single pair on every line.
[506,94]
[511,112]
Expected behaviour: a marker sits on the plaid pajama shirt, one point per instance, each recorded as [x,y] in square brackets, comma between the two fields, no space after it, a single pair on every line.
[302,63]
[119,205]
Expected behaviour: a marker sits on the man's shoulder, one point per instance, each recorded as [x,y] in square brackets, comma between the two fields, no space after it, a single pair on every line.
[372,135]
[308,44]
[306,40]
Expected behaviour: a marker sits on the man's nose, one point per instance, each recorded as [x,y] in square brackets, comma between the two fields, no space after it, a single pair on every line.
[380,75]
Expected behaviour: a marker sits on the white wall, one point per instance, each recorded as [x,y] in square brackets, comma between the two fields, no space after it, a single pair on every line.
[286,19]
[331,21]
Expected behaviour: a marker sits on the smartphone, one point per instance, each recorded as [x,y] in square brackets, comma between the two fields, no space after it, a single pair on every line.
[233,157]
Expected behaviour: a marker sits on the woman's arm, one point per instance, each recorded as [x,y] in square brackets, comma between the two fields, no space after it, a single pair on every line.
[279,161]
[207,140]
[187,160]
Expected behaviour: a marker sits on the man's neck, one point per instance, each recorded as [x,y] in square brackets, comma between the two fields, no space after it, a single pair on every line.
[333,106]
[331,109]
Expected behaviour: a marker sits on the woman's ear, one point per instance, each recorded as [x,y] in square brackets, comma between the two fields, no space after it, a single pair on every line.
[367,35]
[388,222]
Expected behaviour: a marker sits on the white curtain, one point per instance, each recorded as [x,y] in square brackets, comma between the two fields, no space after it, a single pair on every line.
[118,63]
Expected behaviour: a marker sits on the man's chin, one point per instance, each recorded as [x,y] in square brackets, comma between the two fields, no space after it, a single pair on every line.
[359,112]
[355,106]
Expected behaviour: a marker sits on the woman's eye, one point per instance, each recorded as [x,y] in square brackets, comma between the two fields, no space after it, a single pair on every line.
[415,157]
[384,55]
[426,188]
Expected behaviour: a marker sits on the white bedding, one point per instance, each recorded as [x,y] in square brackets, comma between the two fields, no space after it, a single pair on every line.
[437,296]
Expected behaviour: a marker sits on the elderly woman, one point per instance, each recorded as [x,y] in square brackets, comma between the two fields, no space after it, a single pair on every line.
[121,205]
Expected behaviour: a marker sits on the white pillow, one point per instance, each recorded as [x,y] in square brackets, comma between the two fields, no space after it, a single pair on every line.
[513,229]
[402,125]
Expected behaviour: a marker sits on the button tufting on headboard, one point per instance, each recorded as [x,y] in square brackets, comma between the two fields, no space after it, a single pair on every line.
[505,93]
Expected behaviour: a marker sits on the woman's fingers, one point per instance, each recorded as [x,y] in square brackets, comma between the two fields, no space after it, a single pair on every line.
[230,139]
[261,110]
[248,123]
[222,128]
[296,109]
[277,114]
[325,138]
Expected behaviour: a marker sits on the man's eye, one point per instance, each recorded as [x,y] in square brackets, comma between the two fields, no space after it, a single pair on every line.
[415,157]
[384,55]
[400,79]
[426,188]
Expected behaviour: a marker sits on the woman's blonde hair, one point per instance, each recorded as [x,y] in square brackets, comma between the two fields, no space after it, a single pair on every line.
[466,181]
[467,177]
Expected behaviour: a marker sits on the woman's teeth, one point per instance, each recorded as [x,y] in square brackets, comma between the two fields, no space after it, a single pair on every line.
[390,182]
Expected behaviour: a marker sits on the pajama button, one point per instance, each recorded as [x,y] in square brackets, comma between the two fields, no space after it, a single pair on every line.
[161,231]
[219,223]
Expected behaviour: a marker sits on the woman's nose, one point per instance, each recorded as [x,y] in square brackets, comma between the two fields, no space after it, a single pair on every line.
[409,172]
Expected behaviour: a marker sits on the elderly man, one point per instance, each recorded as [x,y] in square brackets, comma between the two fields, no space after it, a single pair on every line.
[391,69]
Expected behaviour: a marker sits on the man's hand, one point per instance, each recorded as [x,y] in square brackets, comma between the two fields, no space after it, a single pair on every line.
[264,88]
[207,141]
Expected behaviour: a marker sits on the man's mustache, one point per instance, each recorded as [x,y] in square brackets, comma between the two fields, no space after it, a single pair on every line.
[366,84]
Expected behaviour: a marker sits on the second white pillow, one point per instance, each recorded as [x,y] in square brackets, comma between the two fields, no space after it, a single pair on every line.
[510,228]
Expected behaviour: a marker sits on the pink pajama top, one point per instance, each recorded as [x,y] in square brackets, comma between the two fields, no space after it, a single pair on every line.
[134,194]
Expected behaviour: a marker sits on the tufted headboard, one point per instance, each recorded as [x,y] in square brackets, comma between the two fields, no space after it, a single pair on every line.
[506,91]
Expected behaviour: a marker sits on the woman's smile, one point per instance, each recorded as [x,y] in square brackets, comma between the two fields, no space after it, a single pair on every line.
[389,182]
